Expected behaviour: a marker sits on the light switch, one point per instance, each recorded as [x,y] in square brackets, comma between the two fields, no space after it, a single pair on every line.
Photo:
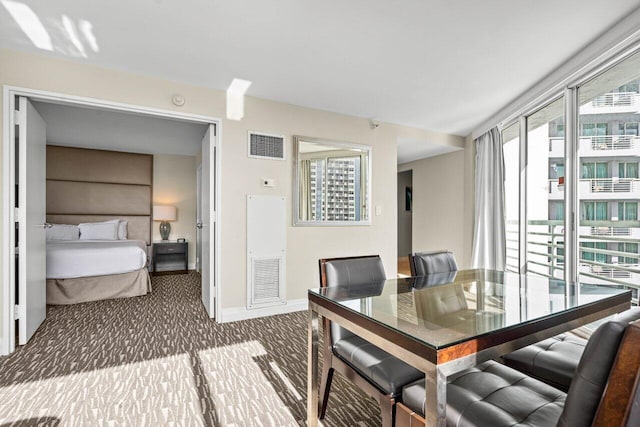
[378,210]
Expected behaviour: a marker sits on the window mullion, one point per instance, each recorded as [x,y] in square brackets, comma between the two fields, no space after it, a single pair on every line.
[523,229]
[572,172]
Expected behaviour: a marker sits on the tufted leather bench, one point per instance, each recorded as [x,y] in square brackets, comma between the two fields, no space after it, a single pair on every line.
[554,361]
[495,395]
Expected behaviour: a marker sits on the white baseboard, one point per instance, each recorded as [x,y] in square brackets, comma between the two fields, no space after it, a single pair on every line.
[3,351]
[241,313]
[191,266]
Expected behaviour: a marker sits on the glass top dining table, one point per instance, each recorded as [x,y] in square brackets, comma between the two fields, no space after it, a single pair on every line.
[444,323]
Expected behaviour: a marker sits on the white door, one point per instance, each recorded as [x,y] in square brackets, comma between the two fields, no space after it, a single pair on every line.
[32,296]
[199,218]
[208,221]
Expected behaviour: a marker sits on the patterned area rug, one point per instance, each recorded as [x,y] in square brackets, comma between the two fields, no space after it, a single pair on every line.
[159,360]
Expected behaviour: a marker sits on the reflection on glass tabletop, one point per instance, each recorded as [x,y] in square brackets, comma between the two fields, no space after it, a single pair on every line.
[445,309]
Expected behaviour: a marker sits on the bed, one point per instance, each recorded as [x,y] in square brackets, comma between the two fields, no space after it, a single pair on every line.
[90,270]
[86,186]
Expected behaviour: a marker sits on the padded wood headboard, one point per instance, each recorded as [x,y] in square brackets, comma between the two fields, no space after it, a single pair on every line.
[85,185]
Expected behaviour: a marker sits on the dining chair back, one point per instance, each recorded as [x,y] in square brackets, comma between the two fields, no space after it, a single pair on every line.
[424,263]
[373,370]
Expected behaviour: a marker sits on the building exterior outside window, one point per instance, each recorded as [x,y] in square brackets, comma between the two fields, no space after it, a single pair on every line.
[609,188]
[605,181]
[336,189]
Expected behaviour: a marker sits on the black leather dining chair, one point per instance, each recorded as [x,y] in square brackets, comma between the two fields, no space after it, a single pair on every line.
[424,263]
[495,395]
[372,369]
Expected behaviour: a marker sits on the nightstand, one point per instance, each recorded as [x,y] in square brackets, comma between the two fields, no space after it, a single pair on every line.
[170,257]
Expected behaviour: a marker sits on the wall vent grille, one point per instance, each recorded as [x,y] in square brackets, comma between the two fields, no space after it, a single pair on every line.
[266,251]
[266,280]
[266,146]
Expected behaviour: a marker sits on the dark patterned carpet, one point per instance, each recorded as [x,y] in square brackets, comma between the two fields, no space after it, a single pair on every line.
[159,360]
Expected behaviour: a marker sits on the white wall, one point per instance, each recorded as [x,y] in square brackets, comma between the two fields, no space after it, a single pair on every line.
[439,204]
[174,183]
[242,175]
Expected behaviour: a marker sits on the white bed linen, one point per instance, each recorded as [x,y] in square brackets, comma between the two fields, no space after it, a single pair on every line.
[86,258]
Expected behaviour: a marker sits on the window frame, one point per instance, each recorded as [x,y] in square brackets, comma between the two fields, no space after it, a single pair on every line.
[567,88]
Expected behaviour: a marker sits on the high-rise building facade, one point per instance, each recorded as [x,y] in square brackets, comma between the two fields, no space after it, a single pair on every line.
[336,189]
[608,187]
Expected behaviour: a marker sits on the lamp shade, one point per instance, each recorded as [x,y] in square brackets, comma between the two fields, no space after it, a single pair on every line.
[164,213]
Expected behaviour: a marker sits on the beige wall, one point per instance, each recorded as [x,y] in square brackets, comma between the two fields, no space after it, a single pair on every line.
[240,174]
[439,204]
[174,183]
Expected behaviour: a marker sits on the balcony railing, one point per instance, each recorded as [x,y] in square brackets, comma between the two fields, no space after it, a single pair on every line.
[615,99]
[611,142]
[545,251]
[610,231]
[610,185]
[613,273]
[598,146]
[599,185]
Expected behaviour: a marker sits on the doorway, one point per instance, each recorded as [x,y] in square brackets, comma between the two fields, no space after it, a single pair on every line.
[405,221]
[15,146]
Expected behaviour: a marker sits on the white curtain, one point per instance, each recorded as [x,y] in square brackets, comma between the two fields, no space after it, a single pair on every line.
[489,240]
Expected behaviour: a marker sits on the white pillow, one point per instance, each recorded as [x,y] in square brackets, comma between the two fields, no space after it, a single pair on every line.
[63,232]
[122,229]
[107,230]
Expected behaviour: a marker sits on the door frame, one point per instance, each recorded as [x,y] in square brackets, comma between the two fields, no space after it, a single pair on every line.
[9,93]
[198,217]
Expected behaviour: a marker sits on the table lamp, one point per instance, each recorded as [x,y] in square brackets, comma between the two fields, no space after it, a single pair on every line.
[164,214]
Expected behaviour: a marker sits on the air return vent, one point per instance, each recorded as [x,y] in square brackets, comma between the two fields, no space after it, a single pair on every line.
[266,251]
[266,146]
[266,280]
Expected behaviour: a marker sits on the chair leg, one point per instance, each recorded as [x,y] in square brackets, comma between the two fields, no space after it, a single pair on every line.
[325,388]
[387,409]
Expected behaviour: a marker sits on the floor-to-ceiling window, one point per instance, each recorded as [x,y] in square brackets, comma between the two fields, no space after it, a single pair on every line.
[545,172]
[608,190]
[579,182]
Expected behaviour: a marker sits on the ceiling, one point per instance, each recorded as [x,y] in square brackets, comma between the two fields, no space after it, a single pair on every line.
[414,149]
[440,65]
[111,130]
